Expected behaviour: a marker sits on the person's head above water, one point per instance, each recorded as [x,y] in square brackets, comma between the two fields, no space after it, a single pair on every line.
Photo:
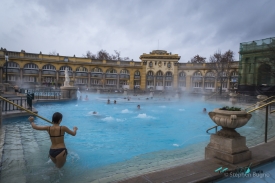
[57,116]
[138,106]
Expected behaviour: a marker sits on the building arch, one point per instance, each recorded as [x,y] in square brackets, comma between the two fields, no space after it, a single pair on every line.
[12,65]
[81,69]
[49,67]
[124,71]
[63,68]
[96,70]
[31,66]
[111,71]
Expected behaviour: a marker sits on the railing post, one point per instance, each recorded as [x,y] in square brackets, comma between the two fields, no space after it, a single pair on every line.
[266,122]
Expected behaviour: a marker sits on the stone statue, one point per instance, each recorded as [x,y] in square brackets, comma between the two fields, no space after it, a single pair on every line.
[67,78]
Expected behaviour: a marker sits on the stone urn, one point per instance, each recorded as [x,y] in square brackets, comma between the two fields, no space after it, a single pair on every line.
[229,120]
[227,144]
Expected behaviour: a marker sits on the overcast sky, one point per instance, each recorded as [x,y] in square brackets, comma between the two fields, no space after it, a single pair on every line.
[133,27]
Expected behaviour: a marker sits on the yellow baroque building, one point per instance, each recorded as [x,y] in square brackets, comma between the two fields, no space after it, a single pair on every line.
[157,70]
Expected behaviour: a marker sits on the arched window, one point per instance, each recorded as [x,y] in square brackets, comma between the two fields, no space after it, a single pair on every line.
[150,73]
[168,73]
[234,73]
[124,71]
[137,73]
[210,74]
[223,74]
[81,69]
[198,73]
[159,73]
[98,70]
[181,74]
[111,71]
[31,66]
[63,68]
[12,65]
[151,64]
[48,67]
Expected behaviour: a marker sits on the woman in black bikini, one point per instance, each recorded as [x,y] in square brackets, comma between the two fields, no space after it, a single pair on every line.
[58,151]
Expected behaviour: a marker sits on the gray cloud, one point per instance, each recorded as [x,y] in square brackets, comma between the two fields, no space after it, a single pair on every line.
[134,27]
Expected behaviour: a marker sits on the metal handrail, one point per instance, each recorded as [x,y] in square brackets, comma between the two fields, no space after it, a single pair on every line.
[211,96]
[25,109]
[212,128]
[260,101]
[264,105]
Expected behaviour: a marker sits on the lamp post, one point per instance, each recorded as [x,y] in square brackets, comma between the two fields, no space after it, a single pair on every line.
[6,59]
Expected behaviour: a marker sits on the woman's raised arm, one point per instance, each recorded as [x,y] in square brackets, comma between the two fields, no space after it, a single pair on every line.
[67,130]
[34,126]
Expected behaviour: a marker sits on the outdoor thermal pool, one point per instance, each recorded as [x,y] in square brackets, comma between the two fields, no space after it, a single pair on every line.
[119,141]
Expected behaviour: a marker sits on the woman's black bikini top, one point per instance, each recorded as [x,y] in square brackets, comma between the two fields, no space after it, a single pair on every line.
[55,136]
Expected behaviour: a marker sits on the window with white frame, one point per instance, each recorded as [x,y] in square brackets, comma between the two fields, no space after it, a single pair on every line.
[234,73]
[182,74]
[29,79]
[150,73]
[150,83]
[197,84]
[224,85]
[81,81]
[124,71]
[30,66]
[168,83]
[95,81]
[223,74]
[81,69]
[12,78]
[12,65]
[48,67]
[98,70]
[48,79]
[111,82]
[209,84]
[159,83]
[197,74]
[123,82]
[210,74]
[182,84]
[159,73]
[137,83]
[63,68]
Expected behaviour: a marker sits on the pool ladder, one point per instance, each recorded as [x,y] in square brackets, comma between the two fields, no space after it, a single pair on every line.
[257,108]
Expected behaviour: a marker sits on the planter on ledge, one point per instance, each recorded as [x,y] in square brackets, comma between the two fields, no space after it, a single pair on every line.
[227,144]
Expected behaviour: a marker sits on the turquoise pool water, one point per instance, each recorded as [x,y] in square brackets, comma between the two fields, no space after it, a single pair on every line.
[117,133]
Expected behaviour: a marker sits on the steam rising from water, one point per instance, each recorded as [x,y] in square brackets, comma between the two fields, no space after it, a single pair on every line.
[126,111]
[110,118]
[144,116]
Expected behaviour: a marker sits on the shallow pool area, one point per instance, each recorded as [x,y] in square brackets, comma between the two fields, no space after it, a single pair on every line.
[119,141]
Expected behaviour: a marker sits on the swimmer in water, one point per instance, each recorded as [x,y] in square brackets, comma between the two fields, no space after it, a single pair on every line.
[58,152]
[204,109]
[138,106]
[114,101]
[108,101]
[86,97]
[94,112]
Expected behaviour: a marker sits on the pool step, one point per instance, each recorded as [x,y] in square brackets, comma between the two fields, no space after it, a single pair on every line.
[13,164]
[33,154]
